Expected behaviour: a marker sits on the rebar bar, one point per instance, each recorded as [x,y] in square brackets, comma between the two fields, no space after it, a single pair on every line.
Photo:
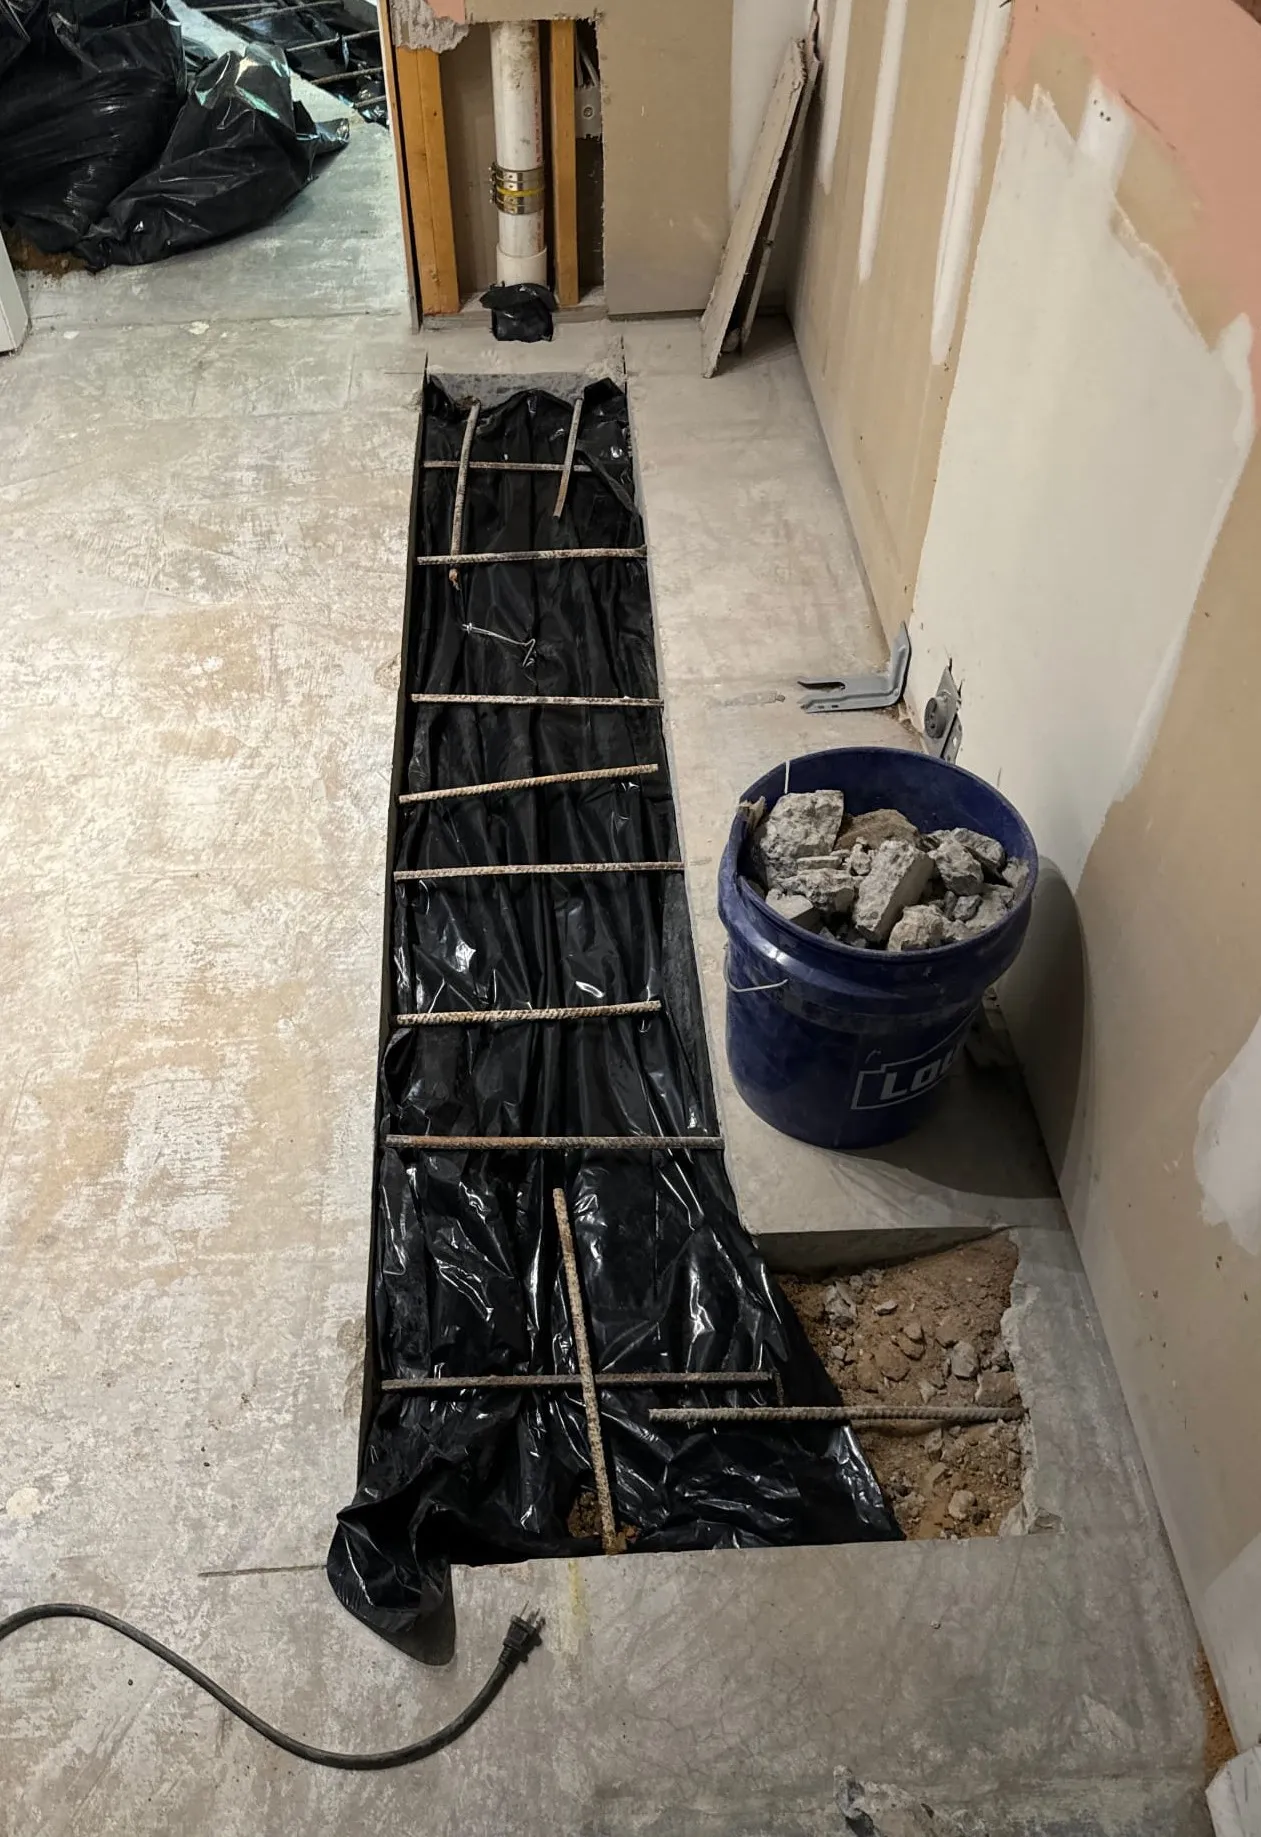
[446,792]
[488,1017]
[538,867]
[612,1543]
[481,559]
[630,1144]
[847,1413]
[604,1380]
[539,701]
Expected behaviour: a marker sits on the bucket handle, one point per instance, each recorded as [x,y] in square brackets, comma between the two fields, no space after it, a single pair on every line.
[752,988]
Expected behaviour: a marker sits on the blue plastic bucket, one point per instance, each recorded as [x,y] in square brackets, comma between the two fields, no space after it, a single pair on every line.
[847,1048]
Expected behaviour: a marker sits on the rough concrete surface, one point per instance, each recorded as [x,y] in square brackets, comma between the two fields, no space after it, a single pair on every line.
[203,527]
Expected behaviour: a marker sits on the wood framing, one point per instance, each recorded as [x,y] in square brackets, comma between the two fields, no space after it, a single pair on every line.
[422,136]
[561,36]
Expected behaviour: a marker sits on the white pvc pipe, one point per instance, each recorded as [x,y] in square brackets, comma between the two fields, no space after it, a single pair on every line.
[514,69]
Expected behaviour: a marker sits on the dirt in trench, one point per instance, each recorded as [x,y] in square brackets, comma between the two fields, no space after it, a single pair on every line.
[927,1331]
[27,258]
[584,1520]
[1219,1742]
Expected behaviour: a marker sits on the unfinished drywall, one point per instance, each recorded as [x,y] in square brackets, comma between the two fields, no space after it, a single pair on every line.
[866,344]
[1074,520]
[665,74]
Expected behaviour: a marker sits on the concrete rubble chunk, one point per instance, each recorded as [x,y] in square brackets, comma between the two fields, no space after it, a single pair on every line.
[829,889]
[838,1304]
[913,1330]
[898,876]
[957,867]
[962,1504]
[886,1307]
[859,859]
[876,826]
[801,823]
[891,1363]
[919,928]
[965,907]
[963,1360]
[913,1348]
[1015,874]
[996,1389]
[990,853]
[796,908]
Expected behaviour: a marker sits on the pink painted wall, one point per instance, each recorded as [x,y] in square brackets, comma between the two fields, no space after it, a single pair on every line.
[1191,69]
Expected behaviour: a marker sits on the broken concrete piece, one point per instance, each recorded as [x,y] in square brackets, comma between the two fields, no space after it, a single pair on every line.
[891,1363]
[859,860]
[801,823]
[961,1504]
[990,853]
[838,1305]
[886,1307]
[889,1811]
[1015,874]
[913,1348]
[965,907]
[829,889]
[958,867]
[899,874]
[876,826]
[420,25]
[914,1331]
[996,1389]
[963,1360]
[919,928]
[796,908]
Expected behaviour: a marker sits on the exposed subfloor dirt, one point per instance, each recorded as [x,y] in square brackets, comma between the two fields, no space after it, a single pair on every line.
[928,1331]
[1219,1742]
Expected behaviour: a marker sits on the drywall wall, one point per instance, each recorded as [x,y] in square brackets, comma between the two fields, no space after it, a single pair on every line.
[761,31]
[665,72]
[1041,404]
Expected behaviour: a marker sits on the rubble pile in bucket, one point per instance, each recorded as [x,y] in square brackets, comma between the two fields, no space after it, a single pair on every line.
[874,881]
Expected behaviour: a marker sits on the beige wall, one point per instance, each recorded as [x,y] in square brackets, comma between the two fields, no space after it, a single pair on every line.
[1067,504]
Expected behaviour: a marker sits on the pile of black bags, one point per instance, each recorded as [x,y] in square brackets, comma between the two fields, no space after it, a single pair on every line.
[110,151]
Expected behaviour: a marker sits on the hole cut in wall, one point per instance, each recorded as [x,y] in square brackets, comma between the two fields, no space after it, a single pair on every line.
[468,104]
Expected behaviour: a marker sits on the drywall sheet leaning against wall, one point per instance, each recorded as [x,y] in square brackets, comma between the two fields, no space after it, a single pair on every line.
[665,72]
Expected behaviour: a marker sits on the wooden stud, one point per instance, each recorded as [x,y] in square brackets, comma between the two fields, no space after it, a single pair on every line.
[389,59]
[561,37]
[425,151]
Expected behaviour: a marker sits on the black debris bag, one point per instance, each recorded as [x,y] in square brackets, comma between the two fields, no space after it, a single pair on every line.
[520,311]
[106,151]
[466,1276]
[241,149]
[85,107]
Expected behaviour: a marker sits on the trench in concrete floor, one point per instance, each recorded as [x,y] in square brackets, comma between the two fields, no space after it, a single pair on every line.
[610,1107]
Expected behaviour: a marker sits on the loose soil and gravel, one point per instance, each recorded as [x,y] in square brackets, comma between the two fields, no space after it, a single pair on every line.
[928,1331]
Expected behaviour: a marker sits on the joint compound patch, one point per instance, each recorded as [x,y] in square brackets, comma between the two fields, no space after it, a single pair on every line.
[1228,1148]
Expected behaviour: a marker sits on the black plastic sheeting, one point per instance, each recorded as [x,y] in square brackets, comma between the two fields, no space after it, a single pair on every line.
[107,153]
[520,311]
[466,1276]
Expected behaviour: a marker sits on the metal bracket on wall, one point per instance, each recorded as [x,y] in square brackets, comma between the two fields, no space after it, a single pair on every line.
[943,729]
[844,694]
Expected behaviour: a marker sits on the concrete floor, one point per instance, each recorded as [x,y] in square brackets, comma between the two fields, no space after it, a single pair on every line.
[202,518]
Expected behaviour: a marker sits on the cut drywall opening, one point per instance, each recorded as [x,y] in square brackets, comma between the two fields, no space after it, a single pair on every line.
[470,129]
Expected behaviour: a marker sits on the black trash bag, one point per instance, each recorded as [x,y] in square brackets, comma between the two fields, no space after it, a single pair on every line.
[521,311]
[15,32]
[241,150]
[86,107]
